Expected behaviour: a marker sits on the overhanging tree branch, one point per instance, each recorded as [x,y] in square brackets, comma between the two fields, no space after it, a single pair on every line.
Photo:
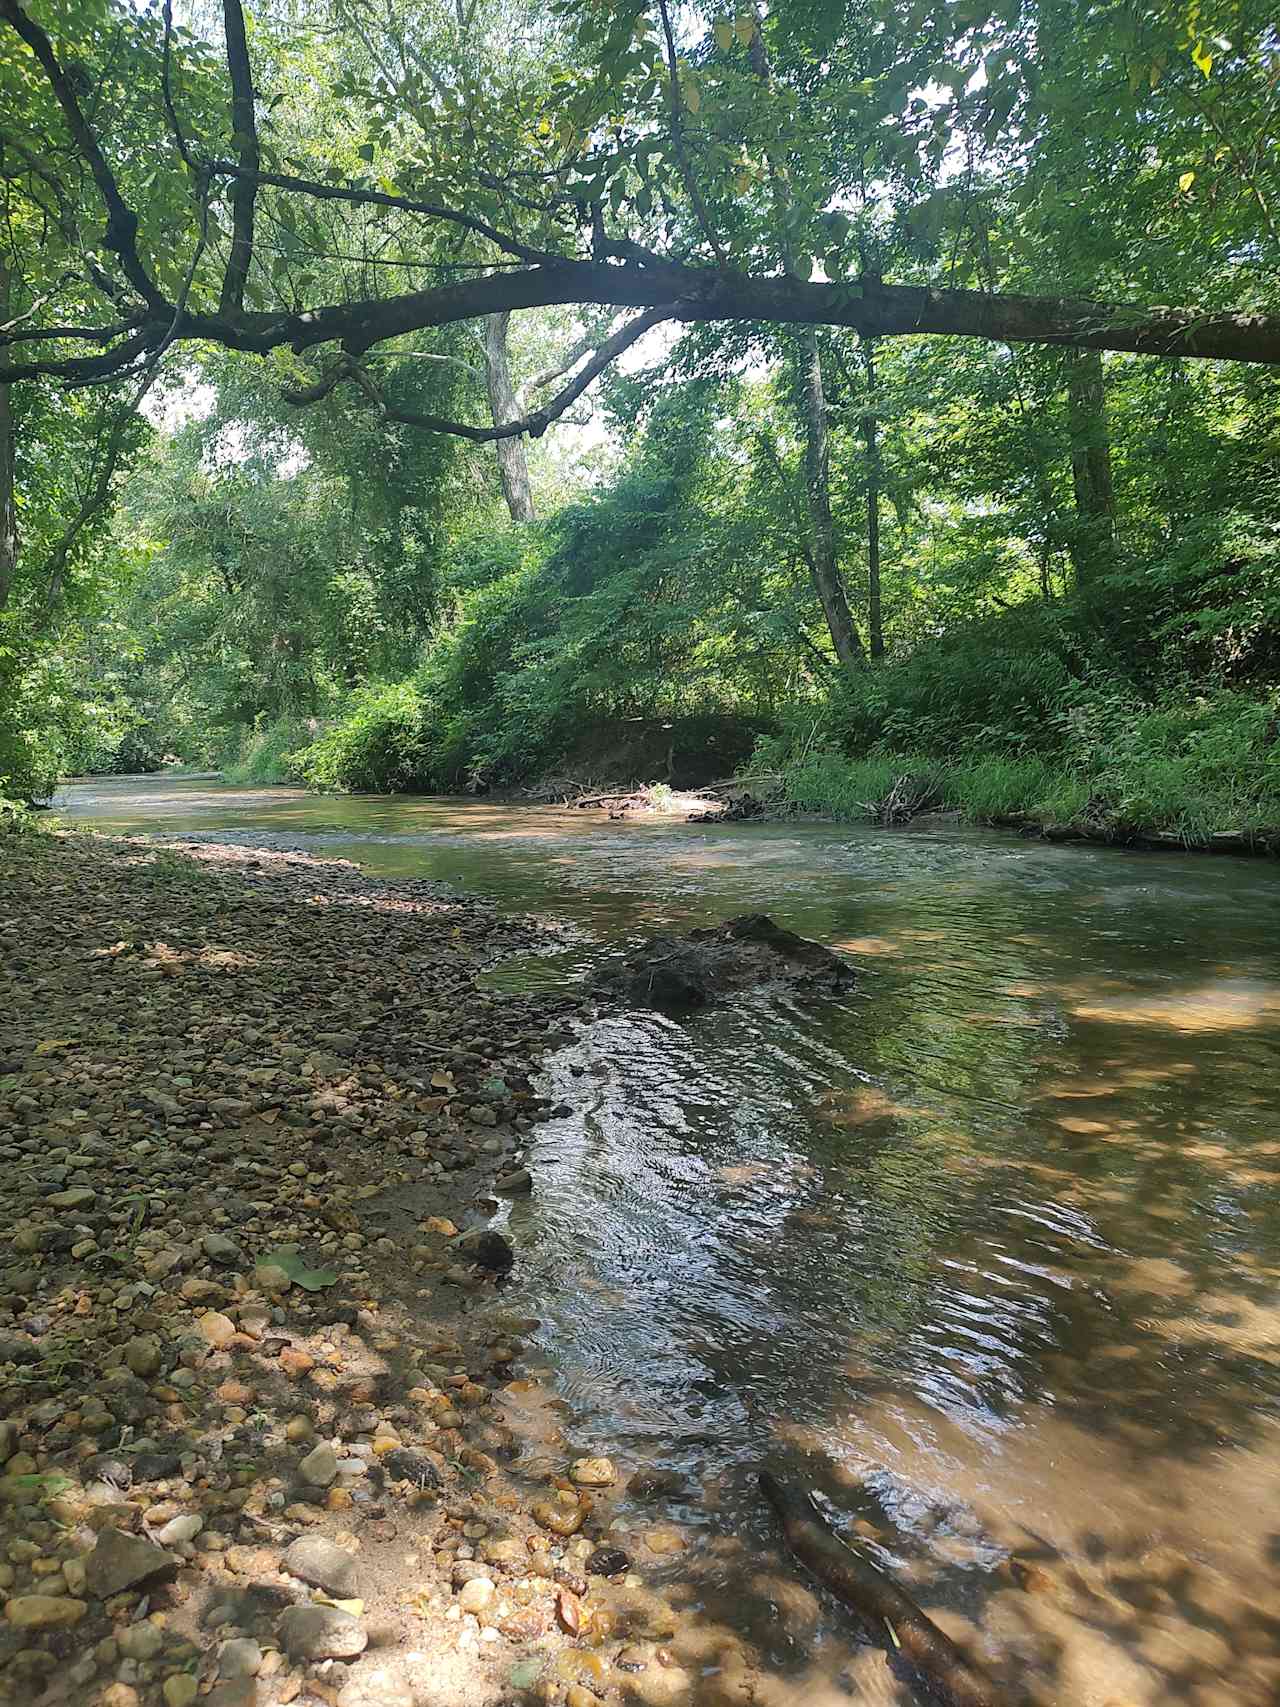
[704,294]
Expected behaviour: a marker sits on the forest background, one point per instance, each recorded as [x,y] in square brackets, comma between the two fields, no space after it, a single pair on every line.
[1037,572]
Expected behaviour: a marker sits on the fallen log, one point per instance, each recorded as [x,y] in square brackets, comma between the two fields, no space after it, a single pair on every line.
[877,1600]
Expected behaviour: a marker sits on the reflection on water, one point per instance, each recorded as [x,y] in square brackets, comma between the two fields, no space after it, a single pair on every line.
[990,1250]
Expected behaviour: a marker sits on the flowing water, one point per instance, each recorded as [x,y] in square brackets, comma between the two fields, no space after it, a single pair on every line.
[988,1251]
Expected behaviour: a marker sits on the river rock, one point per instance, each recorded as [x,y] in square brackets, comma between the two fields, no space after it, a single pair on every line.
[476,1596]
[78,1197]
[44,1611]
[222,1250]
[121,1561]
[216,1329]
[185,1527]
[143,1355]
[515,1184]
[321,1563]
[406,1465]
[563,1516]
[17,1348]
[321,1633]
[239,1657]
[140,1641]
[654,1484]
[593,1473]
[320,1466]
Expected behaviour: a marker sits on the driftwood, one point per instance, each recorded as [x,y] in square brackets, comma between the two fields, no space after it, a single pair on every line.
[877,1600]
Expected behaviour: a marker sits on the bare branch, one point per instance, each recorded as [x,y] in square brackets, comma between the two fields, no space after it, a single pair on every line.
[380,198]
[675,99]
[244,127]
[548,375]
[535,423]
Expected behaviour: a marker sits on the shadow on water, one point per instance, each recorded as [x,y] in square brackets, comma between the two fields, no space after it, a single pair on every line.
[989,1251]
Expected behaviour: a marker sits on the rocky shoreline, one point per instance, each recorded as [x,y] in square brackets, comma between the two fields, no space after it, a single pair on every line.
[269,1435]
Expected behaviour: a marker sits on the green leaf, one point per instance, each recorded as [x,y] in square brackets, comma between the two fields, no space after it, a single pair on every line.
[365,151]
[724,33]
[310,1279]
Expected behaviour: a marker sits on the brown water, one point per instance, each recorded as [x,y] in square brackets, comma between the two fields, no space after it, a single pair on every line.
[990,1252]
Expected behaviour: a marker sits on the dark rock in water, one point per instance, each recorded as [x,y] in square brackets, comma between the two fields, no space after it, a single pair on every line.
[608,1562]
[414,1467]
[655,1484]
[488,1249]
[674,974]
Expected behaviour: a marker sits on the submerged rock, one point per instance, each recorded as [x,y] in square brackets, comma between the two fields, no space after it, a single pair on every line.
[674,974]
[487,1249]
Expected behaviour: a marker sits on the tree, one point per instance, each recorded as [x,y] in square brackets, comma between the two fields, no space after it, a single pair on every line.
[525,212]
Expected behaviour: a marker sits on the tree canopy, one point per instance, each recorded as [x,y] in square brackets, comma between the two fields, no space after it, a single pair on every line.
[324,187]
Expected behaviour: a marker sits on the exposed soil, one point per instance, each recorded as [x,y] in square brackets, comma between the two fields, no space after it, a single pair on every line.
[268,1433]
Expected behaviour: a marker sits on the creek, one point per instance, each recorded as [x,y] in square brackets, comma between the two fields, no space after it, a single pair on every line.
[988,1249]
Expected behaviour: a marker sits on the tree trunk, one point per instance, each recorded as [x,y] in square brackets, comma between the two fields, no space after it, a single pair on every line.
[817,467]
[8,507]
[1093,536]
[870,433]
[823,560]
[8,504]
[513,466]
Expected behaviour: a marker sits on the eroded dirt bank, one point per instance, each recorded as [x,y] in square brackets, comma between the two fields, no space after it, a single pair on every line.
[269,1435]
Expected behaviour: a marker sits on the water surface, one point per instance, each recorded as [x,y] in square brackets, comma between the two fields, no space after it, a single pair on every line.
[989,1251]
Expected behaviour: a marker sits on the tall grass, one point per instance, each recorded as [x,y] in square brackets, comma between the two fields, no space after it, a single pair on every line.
[1121,769]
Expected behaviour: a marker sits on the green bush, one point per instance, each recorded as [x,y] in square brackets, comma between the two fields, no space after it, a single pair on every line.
[17,818]
[992,683]
[266,753]
[383,743]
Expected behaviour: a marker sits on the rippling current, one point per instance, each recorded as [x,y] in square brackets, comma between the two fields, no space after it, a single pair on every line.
[988,1252]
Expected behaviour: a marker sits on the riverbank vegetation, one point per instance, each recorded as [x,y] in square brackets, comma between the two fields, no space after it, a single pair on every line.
[1030,566]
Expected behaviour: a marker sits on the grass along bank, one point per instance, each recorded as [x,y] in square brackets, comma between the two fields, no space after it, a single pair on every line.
[1165,805]
[1200,772]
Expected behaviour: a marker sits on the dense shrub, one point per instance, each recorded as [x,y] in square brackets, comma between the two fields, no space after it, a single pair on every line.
[382,743]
